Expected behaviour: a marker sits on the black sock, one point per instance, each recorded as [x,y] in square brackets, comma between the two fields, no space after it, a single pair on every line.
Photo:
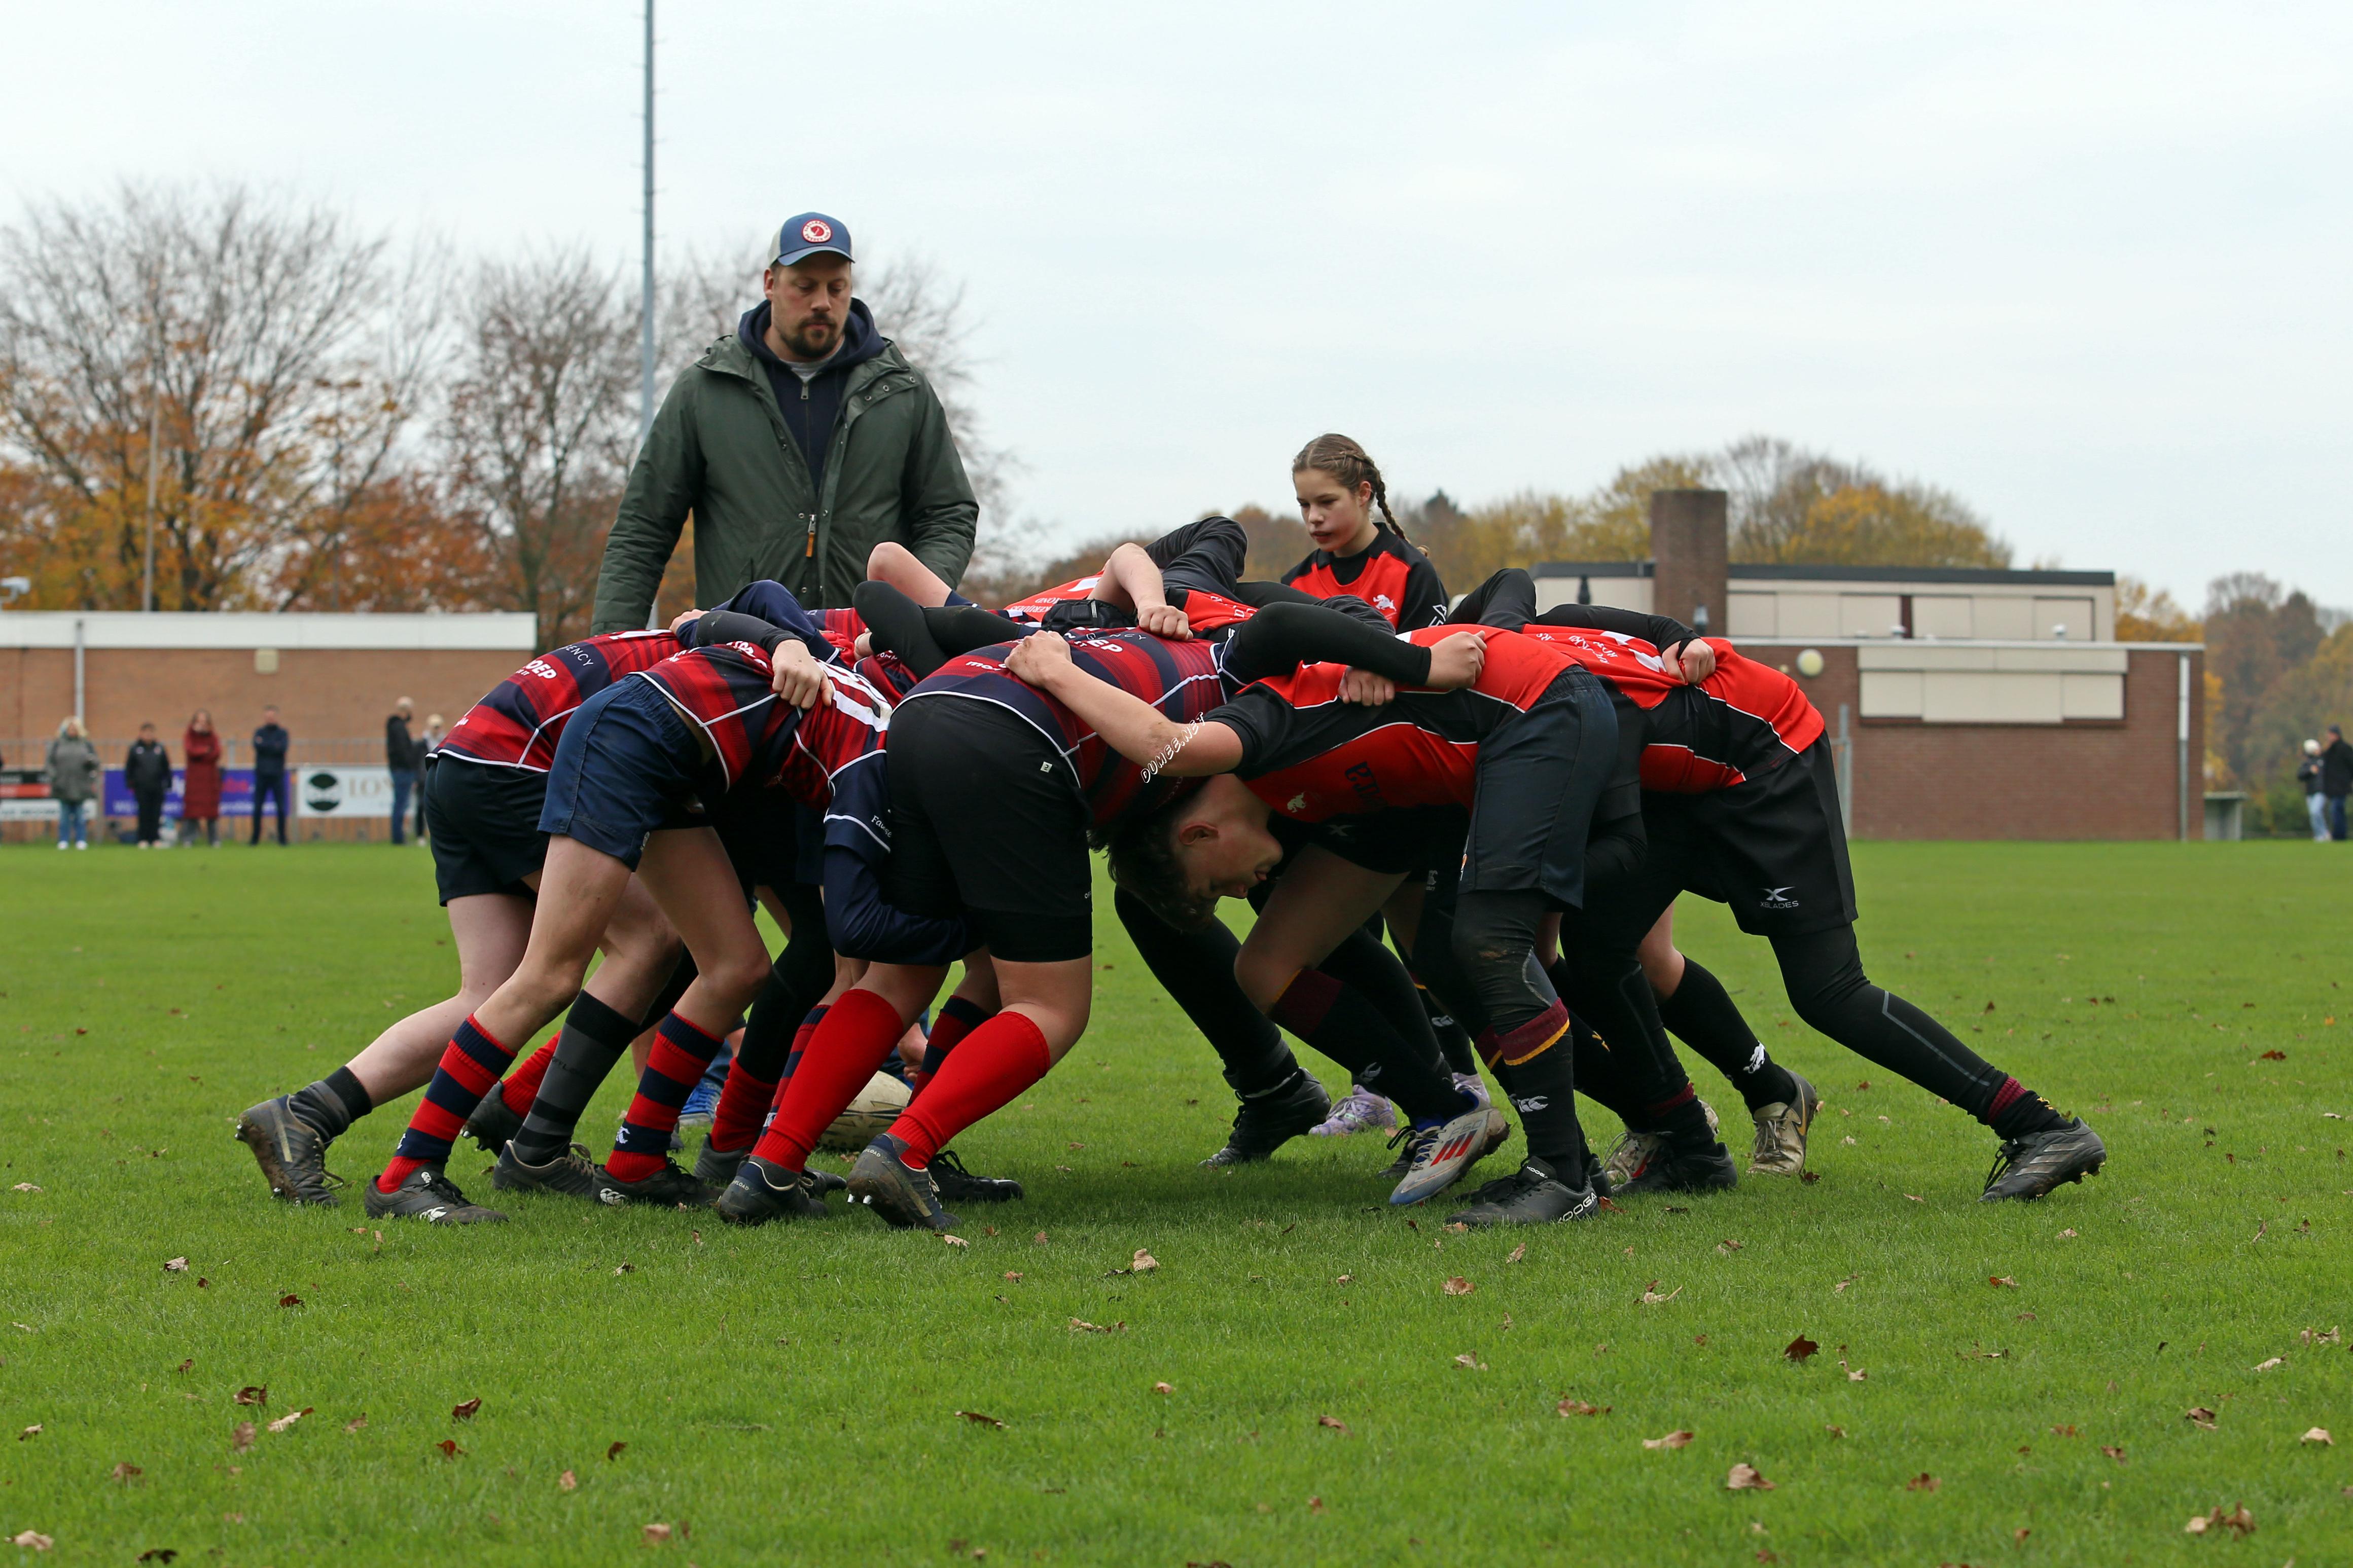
[1453,1040]
[1702,1014]
[798,979]
[331,1105]
[1343,1024]
[1598,1076]
[595,1038]
[1537,1065]
[1366,966]
[1610,990]
[1196,969]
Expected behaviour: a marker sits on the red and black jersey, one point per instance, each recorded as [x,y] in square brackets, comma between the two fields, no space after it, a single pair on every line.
[518,724]
[762,741]
[843,628]
[1310,756]
[1205,611]
[1389,574]
[1745,720]
[1183,680]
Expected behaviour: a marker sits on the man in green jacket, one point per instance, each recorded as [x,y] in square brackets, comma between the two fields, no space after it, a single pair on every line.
[798,444]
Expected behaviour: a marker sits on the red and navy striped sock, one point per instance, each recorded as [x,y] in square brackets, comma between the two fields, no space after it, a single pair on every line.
[841,1055]
[997,1064]
[675,1066]
[521,1085]
[801,1037]
[959,1016]
[470,1066]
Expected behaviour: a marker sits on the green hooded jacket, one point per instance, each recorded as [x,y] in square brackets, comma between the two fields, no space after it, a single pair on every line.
[720,451]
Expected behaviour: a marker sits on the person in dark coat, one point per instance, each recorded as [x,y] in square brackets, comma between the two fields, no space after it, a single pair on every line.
[147,771]
[2336,779]
[269,744]
[402,757]
[200,779]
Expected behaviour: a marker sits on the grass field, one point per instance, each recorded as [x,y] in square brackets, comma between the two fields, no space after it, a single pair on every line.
[792,1396]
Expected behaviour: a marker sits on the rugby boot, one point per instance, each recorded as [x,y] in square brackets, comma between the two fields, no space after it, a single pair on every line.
[717,1167]
[1472,1084]
[1358,1111]
[1532,1194]
[1441,1153]
[957,1185]
[2029,1167]
[1267,1121]
[762,1192]
[1672,1167]
[492,1124]
[1407,1142]
[430,1196]
[1634,1150]
[290,1152]
[1781,1127]
[665,1188]
[905,1199]
[572,1173]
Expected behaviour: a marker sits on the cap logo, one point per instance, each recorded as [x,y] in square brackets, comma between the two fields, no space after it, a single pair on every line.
[817,231]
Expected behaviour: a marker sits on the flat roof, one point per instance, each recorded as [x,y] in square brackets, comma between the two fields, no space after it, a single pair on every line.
[1805,573]
[505,630]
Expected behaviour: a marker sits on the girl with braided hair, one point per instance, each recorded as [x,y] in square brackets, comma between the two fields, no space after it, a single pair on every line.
[1359,547]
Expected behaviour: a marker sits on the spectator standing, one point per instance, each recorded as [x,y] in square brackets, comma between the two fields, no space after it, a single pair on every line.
[2316,804]
[434,731]
[200,779]
[147,771]
[799,442]
[2337,778]
[402,757]
[74,775]
[269,744]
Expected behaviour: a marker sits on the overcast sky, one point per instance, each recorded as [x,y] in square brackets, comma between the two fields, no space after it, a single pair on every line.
[2086,266]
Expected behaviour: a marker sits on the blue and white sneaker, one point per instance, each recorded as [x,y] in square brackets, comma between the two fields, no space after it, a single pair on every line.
[704,1102]
[1359,1111]
[1472,1084]
[1441,1153]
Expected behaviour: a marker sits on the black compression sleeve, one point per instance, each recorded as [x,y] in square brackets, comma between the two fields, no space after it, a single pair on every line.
[1261,595]
[1662,632]
[1281,637]
[1508,600]
[960,628]
[733,625]
[894,624]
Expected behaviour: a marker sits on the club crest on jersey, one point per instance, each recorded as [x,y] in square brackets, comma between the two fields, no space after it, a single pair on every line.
[817,231]
[1384,604]
[1778,899]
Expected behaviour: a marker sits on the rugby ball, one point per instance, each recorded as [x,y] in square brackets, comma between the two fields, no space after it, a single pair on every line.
[868,1117]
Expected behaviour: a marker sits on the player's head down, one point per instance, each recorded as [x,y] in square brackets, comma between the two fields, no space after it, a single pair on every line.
[1208,844]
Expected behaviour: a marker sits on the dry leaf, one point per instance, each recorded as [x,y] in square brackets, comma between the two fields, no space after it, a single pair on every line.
[978,1419]
[2275,1360]
[2274,1056]
[241,1439]
[1458,1286]
[158,1554]
[291,1417]
[24,1187]
[1080,1326]
[656,1534]
[1145,1262]
[1854,1375]
[1840,1288]
[1743,1478]
[1800,1348]
[2318,1434]
[290,1300]
[124,1470]
[1469,1363]
[2199,1416]
[2069,1233]
[32,1540]
[1835,1431]
[252,1394]
[1040,1238]
[2001,1279]
[1727,1246]
[2062,1432]
[175,1266]
[2239,1522]
[448,1447]
[1914,1196]
[1013,1274]
[30,1433]
[613,1452]
[953,1240]
[1677,1439]
[2116,1454]
[1809,1177]
[1650,1296]
[567,1481]
[1923,1483]
[1568,1407]
[355,1423]
[465,1411]
[1164,1388]
[624,1269]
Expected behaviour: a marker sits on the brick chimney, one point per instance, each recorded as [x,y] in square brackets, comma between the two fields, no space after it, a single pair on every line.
[1688,536]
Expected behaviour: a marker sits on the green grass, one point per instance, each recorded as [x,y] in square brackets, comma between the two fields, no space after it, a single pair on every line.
[791,1395]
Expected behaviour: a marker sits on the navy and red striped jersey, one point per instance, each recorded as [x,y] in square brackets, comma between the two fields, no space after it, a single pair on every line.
[763,742]
[1311,756]
[843,628]
[1389,574]
[1183,680]
[518,724]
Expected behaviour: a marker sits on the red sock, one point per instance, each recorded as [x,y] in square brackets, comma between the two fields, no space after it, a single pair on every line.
[522,1084]
[997,1063]
[743,1102]
[856,1036]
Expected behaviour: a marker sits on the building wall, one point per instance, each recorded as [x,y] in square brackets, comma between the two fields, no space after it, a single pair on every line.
[2104,778]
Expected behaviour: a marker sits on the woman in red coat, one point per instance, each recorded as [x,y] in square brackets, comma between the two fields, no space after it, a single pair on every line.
[200,786]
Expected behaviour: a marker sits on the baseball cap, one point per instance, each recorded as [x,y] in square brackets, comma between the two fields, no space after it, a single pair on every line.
[811,233]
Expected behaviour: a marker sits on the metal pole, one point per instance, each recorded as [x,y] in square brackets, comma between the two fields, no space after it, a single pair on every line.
[1845,772]
[646,295]
[155,440]
[80,711]
[2181,736]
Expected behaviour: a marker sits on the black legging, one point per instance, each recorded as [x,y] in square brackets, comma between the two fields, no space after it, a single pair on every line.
[797,982]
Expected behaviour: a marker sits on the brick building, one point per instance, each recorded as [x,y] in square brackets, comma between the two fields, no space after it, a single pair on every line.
[1969,704]
[332,678]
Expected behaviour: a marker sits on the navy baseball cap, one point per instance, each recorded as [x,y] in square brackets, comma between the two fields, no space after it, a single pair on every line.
[811,233]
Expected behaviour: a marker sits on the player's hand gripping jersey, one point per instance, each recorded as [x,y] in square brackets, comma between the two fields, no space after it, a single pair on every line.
[520,723]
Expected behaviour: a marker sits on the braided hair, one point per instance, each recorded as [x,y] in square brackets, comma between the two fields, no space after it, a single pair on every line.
[1349,463]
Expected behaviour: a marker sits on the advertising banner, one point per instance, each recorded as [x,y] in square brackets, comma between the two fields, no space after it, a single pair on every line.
[236,795]
[332,789]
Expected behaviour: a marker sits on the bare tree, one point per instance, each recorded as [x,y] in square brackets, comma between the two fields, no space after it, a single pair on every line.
[245,332]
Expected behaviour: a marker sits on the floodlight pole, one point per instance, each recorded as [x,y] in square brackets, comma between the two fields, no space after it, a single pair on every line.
[646,296]
[155,439]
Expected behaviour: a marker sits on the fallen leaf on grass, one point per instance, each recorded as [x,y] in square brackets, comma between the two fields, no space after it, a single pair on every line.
[1013,1274]
[158,1554]
[1334,1423]
[252,1394]
[568,1482]
[124,1470]
[1676,1439]
[2001,1279]
[1164,1388]
[30,1433]
[32,1540]
[1854,1375]
[1743,1478]
[2275,1360]
[1915,1197]
[624,1269]
[1835,1431]
[978,1419]
[1568,1407]
[1727,1246]
[2318,1434]
[1145,1262]
[953,1240]
[656,1534]
[2062,1432]
[1800,1348]
[2112,1453]
[1458,1286]
[1469,1363]
[2274,1056]
[1840,1288]
[241,1439]
[613,1452]
[1809,1177]
[1039,1239]
[448,1447]
[2239,1522]
[1923,1483]
[24,1187]
[1516,1253]
[1080,1326]
[291,1417]
[175,1266]
[355,1423]
[188,1365]
[290,1299]
[1650,1296]
[2199,1416]
[465,1411]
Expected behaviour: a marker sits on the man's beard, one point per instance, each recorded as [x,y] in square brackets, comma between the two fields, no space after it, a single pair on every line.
[809,347]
